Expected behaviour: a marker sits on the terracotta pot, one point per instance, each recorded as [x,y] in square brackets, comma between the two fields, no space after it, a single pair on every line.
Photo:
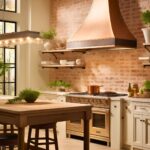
[93,89]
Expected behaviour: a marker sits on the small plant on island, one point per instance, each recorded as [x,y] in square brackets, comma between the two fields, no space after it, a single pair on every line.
[29,95]
[60,85]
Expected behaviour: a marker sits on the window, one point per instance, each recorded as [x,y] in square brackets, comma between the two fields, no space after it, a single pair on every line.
[8,5]
[8,56]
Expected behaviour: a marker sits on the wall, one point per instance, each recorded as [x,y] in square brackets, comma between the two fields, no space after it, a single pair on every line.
[113,69]
[30,74]
[32,15]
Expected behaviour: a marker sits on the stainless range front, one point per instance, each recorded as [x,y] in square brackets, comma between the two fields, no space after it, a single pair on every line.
[100,122]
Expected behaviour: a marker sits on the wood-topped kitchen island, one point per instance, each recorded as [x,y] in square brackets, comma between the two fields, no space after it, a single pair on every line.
[42,112]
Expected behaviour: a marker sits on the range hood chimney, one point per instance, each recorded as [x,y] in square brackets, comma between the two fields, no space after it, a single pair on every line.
[104,27]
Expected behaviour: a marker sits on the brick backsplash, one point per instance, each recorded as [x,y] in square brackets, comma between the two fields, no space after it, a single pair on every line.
[112,69]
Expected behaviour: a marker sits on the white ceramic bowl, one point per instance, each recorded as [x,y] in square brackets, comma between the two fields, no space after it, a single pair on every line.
[63,62]
[71,63]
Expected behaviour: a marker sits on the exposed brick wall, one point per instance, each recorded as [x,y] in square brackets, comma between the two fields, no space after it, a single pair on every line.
[113,69]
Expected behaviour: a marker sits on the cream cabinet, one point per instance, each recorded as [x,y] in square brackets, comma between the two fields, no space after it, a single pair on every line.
[141,126]
[127,124]
[116,125]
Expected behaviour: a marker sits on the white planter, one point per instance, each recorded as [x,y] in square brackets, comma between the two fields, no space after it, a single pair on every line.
[146,33]
[49,44]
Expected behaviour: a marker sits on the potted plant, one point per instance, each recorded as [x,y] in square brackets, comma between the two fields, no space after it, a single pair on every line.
[29,95]
[48,37]
[146,89]
[59,85]
[146,20]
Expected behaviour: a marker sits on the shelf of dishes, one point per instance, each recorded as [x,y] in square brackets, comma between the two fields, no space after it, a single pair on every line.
[63,64]
[146,61]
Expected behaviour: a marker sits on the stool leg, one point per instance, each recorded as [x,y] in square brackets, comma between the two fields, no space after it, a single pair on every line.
[55,138]
[11,147]
[36,138]
[47,138]
[29,138]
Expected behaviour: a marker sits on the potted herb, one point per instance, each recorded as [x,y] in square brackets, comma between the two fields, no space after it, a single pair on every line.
[48,38]
[60,85]
[145,90]
[146,20]
[29,95]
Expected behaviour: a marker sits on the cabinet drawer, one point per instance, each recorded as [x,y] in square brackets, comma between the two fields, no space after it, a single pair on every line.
[144,108]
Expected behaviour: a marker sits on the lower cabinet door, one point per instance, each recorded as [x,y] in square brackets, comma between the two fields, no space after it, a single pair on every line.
[137,130]
[146,131]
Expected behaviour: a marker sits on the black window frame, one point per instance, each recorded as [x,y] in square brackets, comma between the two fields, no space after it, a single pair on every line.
[15,11]
[4,60]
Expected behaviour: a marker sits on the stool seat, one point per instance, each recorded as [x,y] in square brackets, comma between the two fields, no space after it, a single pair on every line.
[37,140]
[7,137]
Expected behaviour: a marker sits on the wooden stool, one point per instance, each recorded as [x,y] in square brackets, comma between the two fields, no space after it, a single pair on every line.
[36,139]
[7,137]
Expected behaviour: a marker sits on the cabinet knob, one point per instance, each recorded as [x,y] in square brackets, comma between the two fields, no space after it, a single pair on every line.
[115,106]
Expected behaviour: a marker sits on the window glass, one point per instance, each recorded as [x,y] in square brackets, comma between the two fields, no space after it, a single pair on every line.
[9,55]
[10,27]
[10,5]
[1,88]
[1,54]
[1,4]
[1,27]
[10,75]
[9,88]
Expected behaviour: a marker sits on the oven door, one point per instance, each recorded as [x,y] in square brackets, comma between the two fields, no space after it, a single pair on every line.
[75,125]
[100,123]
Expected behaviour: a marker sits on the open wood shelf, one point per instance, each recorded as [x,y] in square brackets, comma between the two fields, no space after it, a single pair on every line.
[63,66]
[147,46]
[62,51]
[146,64]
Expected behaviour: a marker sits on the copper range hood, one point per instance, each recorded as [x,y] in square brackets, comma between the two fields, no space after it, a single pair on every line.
[104,27]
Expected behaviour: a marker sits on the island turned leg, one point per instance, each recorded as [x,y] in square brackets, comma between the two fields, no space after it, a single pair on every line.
[86,134]
[21,144]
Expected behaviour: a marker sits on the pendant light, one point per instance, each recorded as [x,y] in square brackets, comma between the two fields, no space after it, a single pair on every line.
[17,38]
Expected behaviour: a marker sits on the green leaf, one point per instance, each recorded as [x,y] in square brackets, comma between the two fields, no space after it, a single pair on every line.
[146,17]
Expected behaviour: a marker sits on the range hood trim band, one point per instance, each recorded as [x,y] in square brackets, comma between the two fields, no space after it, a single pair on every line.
[102,43]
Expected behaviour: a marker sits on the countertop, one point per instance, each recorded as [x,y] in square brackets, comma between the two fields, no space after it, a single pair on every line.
[134,99]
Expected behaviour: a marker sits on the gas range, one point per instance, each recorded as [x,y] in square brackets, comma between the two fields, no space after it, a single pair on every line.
[107,94]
